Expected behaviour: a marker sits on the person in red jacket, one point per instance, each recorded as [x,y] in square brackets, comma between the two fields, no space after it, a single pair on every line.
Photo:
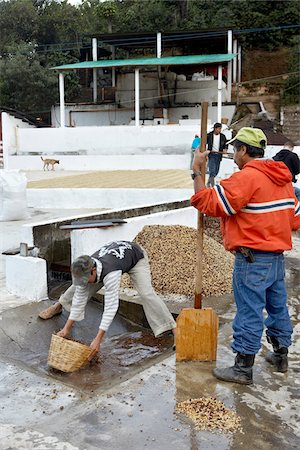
[258,211]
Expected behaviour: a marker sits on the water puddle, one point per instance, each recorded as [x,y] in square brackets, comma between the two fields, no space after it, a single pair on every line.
[127,349]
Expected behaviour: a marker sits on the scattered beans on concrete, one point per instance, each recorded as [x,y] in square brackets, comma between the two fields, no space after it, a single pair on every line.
[172,252]
[210,414]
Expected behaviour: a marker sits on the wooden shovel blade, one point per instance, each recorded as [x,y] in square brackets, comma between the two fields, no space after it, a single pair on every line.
[197,335]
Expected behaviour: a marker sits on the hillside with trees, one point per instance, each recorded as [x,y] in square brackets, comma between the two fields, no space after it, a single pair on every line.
[39,34]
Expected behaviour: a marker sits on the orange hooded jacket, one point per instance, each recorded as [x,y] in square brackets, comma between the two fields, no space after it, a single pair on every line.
[257,206]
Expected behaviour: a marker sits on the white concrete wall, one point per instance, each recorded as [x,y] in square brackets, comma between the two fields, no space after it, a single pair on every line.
[102,198]
[108,115]
[10,134]
[87,241]
[26,277]
[79,115]
[106,163]
[194,113]
[186,91]
[116,140]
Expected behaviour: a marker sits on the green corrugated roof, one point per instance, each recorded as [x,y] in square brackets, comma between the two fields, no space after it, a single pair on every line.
[140,62]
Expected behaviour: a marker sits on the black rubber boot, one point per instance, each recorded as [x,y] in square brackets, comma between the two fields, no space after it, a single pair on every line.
[240,373]
[278,358]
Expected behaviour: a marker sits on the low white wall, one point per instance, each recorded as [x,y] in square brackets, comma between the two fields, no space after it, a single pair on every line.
[26,277]
[120,140]
[10,133]
[110,163]
[102,198]
[87,241]
[107,163]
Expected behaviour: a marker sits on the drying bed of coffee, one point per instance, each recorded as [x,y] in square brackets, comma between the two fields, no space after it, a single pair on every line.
[172,251]
[210,414]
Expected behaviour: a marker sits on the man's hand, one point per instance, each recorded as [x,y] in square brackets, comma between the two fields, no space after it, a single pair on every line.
[62,333]
[199,159]
[66,329]
[95,344]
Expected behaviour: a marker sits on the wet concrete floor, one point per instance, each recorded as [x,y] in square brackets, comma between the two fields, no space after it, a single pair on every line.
[131,404]
[127,348]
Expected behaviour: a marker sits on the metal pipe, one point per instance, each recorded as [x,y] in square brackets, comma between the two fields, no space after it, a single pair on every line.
[113,70]
[239,64]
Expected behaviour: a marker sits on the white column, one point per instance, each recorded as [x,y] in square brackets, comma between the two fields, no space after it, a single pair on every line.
[234,70]
[137,97]
[158,55]
[62,99]
[219,109]
[94,49]
[229,65]
[158,45]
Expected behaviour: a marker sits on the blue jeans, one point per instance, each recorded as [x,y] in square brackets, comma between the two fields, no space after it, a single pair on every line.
[256,286]
[297,193]
[214,161]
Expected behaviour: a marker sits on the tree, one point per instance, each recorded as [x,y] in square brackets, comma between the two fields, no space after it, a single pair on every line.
[18,22]
[25,84]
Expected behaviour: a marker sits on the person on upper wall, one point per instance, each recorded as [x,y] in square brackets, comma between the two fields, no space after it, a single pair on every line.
[195,144]
[216,144]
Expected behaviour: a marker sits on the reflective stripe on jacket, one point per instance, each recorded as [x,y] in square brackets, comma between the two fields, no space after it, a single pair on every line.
[257,206]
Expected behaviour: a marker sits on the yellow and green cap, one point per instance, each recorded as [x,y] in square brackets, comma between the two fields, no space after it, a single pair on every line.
[251,136]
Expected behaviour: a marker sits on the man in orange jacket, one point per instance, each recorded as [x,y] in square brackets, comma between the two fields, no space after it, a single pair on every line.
[258,211]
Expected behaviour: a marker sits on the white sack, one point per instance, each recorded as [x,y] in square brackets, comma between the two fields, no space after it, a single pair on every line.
[13,202]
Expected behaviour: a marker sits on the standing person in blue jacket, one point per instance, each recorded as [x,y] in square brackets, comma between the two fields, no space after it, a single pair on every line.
[195,144]
[105,268]
[216,144]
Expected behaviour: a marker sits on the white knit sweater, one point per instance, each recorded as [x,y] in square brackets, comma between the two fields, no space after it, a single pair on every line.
[111,284]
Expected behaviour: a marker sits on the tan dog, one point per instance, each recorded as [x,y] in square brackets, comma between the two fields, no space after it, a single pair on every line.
[49,162]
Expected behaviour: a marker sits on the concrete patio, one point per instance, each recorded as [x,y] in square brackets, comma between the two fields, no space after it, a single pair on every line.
[128,400]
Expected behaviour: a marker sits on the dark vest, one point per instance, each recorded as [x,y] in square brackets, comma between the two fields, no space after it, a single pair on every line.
[118,255]
[210,138]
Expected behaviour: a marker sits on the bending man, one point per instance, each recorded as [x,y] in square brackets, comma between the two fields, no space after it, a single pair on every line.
[105,268]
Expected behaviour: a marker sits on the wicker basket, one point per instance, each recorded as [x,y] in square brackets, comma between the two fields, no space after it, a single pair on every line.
[67,355]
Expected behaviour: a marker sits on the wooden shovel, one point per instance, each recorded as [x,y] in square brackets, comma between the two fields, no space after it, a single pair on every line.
[197,328]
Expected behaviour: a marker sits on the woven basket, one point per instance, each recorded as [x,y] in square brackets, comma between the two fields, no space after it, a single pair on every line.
[67,355]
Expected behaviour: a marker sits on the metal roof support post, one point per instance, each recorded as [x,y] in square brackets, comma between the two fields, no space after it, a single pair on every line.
[229,65]
[62,99]
[239,64]
[219,108]
[94,45]
[235,50]
[137,96]
[239,74]
[113,70]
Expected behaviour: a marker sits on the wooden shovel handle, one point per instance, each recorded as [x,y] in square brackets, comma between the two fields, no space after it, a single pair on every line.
[200,225]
